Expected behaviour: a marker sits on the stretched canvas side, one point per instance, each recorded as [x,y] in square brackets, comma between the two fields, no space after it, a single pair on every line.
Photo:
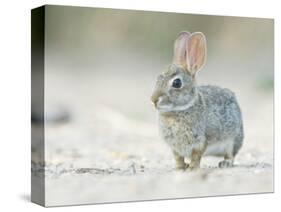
[37,106]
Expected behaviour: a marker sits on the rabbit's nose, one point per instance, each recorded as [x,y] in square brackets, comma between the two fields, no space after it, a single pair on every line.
[155,97]
[154,100]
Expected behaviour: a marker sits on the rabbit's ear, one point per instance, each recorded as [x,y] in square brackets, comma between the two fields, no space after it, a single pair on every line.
[180,48]
[195,52]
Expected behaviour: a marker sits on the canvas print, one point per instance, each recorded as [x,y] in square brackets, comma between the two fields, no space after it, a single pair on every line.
[132,105]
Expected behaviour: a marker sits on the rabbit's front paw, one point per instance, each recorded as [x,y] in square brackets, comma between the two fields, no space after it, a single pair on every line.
[196,158]
[194,166]
[182,166]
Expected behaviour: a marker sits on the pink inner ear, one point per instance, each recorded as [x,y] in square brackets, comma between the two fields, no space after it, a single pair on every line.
[180,49]
[196,50]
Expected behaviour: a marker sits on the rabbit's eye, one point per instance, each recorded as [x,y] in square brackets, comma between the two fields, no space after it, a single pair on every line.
[177,83]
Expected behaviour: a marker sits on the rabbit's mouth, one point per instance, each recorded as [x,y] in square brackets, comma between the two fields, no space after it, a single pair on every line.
[168,108]
[164,107]
[161,104]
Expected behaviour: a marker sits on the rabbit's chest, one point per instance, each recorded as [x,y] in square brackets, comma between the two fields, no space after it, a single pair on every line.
[179,135]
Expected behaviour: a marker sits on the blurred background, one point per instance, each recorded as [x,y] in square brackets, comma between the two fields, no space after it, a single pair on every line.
[100,70]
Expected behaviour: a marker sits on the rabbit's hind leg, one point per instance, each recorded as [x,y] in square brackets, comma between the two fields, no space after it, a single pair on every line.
[231,149]
[227,162]
[180,164]
[228,155]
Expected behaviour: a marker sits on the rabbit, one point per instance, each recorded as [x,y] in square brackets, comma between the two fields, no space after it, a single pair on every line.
[196,121]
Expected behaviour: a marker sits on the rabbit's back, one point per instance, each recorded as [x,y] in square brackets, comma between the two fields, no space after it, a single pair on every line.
[224,119]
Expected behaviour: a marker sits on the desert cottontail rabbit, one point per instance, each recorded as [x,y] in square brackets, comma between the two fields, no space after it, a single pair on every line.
[196,120]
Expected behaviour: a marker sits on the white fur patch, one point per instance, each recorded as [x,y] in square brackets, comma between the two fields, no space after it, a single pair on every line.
[170,108]
[219,148]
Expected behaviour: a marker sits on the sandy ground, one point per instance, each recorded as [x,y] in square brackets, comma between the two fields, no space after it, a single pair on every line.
[110,150]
